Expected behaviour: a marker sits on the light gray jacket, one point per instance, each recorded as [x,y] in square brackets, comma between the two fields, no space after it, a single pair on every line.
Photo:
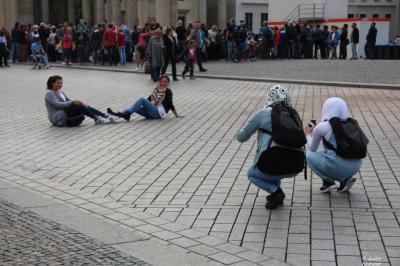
[55,105]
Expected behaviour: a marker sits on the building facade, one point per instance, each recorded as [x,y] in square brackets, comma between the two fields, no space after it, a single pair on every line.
[255,11]
[132,12]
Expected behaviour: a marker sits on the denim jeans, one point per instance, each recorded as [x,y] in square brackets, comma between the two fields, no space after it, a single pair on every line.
[189,67]
[155,73]
[15,51]
[354,50]
[231,50]
[122,55]
[269,183]
[45,59]
[128,51]
[181,45]
[110,55]
[370,50]
[91,112]
[67,55]
[144,108]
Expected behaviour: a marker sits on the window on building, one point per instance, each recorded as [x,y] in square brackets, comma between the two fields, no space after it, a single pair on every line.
[264,17]
[363,16]
[375,15]
[248,19]
[350,15]
[389,16]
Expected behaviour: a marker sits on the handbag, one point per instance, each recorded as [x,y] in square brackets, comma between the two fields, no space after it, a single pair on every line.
[59,45]
[73,47]
[147,67]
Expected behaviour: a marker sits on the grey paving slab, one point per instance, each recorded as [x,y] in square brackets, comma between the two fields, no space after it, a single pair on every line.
[186,177]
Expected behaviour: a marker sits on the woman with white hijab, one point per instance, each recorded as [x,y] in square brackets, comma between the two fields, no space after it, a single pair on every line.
[262,120]
[327,164]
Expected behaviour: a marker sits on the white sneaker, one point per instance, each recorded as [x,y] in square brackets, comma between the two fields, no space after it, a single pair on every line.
[136,69]
[101,121]
[112,119]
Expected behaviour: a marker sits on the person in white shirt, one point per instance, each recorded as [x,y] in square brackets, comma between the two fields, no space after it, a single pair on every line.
[327,164]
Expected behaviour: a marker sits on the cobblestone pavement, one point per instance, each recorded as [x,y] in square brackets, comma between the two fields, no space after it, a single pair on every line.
[184,181]
[28,239]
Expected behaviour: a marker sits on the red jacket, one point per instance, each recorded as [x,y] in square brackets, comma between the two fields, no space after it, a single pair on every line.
[109,37]
[277,37]
[120,39]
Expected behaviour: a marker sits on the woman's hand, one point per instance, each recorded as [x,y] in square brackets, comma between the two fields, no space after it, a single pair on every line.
[308,130]
[77,102]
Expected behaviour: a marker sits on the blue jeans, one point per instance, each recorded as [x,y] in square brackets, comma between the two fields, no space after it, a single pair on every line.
[144,108]
[122,55]
[269,183]
[89,111]
[67,55]
[155,73]
[110,55]
[354,50]
[231,50]
[15,51]
[189,67]
[370,50]
[45,59]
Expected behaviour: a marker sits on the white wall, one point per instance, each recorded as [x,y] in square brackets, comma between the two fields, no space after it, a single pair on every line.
[280,9]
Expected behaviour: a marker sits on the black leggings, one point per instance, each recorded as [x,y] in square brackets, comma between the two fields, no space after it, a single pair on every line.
[91,112]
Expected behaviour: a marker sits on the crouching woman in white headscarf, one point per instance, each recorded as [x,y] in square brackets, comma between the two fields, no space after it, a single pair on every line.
[262,120]
[327,164]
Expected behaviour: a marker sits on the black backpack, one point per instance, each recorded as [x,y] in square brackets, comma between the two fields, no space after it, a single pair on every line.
[350,139]
[75,121]
[287,132]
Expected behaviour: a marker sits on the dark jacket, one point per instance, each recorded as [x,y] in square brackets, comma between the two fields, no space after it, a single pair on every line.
[343,37]
[355,36]
[371,36]
[167,103]
[171,48]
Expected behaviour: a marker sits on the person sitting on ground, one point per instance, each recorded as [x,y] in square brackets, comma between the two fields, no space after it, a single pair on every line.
[156,106]
[38,51]
[62,111]
[327,164]
[269,167]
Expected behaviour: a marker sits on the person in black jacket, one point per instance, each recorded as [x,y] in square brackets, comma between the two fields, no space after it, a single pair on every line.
[354,40]
[156,106]
[344,42]
[371,40]
[171,52]
[82,43]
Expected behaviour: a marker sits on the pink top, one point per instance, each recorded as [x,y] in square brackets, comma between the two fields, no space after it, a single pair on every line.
[192,53]
[142,39]
[67,41]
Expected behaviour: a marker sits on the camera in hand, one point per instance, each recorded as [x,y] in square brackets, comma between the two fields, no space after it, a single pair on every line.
[312,123]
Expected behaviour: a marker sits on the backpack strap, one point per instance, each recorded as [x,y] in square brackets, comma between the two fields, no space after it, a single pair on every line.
[328,145]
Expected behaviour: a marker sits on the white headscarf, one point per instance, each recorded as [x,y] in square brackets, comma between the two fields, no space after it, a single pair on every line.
[334,107]
[278,93]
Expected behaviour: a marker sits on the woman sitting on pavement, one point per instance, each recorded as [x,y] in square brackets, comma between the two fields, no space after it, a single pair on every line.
[261,122]
[63,111]
[327,164]
[156,106]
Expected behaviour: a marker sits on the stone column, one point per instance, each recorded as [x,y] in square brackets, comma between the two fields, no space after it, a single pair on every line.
[221,14]
[85,10]
[162,14]
[142,11]
[44,4]
[99,12]
[131,12]
[108,11]
[71,11]
[116,11]
[173,12]
[203,11]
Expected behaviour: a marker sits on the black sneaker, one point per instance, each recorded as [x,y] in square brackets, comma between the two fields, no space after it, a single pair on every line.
[346,185]
[327,187]
[275,200]
[203,70]
[125,116]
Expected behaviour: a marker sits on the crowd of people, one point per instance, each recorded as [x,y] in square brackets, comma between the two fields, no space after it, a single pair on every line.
[153,47]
